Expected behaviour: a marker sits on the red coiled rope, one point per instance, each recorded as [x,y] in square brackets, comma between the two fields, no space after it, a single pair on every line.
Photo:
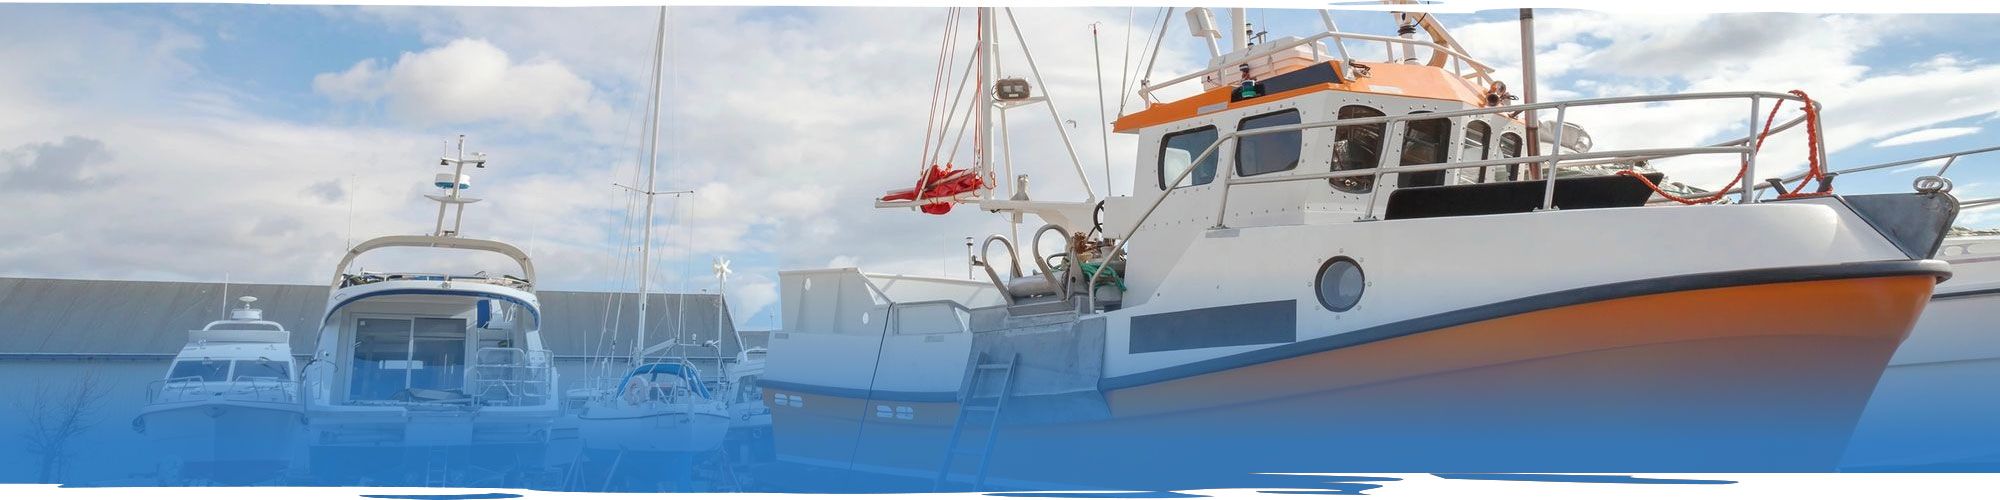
[1814,171]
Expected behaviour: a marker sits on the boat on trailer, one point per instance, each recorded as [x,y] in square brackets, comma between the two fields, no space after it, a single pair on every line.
[228,410]
[1331,265]
[429,375]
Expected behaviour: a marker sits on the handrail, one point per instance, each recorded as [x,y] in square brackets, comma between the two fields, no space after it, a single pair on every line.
[1949,159]
[1548,162]
[228,390]
[1013,256]
[1042,263]
[1482,71]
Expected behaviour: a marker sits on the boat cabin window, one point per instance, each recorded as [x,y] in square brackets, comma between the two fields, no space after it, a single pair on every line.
[1266,153]
[1178,149]
[1510,147]
[205,370]
[1474,148]
[1356,147]
[1424,143]
[396,355]
[262,369]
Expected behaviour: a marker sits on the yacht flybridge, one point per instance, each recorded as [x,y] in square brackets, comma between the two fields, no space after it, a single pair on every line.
[228,410]
[1337,264]
[430,365]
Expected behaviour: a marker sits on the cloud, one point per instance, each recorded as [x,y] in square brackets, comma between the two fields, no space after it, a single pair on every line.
[1600,54]
[52,167]
[329,191]
[1927,135]
[466,80]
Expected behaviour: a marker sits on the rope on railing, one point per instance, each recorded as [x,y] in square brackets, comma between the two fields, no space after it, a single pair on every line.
[1814,170]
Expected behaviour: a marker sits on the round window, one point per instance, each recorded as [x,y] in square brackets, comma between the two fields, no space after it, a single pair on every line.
[1340,284]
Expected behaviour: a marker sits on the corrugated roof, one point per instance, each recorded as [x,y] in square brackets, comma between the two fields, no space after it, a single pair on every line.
[66,316]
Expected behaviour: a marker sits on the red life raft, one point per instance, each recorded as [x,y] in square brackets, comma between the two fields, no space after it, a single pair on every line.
[938,189]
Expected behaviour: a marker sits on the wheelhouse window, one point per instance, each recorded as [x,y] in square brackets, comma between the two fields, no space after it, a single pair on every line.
[262,369]
[1474,148]
[204,370]
[1266,153]
[1510,147]
[1356,147]
[1177,152]
[1424,143]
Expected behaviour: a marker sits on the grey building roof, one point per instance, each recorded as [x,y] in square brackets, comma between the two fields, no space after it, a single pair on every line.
[70,317]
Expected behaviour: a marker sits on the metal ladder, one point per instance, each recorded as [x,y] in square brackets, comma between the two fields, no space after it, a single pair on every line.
[437,468]
[976,402]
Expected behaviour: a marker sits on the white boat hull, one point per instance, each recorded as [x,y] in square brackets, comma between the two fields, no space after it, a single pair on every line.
[1935,407]
[222,436]
[653,430]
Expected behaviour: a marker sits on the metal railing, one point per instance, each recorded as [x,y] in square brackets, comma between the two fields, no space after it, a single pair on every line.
[364,278]
[196,388]
[1481,72]
[1395,129]
[1949,159]
[524,377]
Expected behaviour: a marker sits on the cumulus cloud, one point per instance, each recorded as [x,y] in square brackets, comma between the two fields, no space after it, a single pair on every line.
[785,121]
[1927,135]
[51,166]
[466,80]
[329,191]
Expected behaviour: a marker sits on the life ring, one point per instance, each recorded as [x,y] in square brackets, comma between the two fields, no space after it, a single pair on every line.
[637,391]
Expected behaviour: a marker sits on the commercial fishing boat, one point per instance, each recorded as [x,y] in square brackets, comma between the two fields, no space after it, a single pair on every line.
[228,410]
[416,373]
[1330,264]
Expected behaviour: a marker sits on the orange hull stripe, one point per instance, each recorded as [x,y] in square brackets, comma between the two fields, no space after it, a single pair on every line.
[1876,311]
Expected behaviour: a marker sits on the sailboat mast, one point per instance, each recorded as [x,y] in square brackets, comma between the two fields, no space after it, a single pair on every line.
[652,169]
[982,138]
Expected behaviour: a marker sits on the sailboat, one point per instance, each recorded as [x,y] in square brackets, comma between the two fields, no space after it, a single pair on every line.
[228,409]
[1298,282]
[661,408]
[430,376]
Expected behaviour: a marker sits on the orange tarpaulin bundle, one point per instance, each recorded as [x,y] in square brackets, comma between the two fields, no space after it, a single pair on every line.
[938,189]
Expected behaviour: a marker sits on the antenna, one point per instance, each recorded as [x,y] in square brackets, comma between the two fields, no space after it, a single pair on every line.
[454,184]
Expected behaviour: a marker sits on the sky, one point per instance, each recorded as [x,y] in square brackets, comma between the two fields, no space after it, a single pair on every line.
[256,143]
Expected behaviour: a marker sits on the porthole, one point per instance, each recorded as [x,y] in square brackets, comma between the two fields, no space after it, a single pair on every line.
[1340,284]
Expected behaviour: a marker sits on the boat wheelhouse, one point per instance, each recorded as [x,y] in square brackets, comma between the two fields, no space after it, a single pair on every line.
[410,363]
[229,408]
[1335,265]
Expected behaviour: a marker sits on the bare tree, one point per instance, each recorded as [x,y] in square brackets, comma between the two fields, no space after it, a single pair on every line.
[56,415]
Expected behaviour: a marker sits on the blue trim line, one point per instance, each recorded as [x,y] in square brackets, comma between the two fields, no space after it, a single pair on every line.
[1966,293]
[862,394]
[1534,303]
[533,310]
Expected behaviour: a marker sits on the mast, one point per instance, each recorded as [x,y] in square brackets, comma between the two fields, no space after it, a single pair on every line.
[1239,29]
[1534,146]
[453,183]
[982,137]
[652,169]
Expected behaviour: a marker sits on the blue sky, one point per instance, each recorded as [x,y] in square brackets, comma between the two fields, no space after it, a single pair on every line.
[193,142]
